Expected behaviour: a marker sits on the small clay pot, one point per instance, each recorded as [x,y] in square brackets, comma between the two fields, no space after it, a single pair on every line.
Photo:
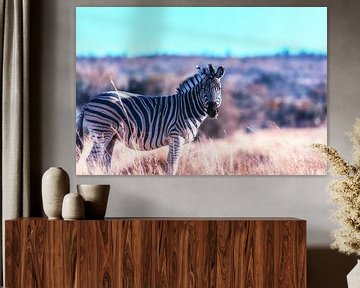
[96,198]
[73,207]
[55,185]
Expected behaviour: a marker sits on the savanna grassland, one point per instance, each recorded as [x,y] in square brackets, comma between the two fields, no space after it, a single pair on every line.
[265,152]
[273,109]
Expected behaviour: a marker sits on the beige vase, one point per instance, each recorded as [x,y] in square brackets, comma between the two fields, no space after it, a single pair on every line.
[73,207]
[353,278]
[55,185]
[96,198]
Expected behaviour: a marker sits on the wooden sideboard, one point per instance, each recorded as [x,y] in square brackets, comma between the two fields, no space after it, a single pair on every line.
[156,252]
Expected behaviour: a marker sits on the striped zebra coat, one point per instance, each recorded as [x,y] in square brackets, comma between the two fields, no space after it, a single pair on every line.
[149,122]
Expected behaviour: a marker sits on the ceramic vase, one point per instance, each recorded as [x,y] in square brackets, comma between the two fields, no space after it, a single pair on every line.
[96,198]
[353,278]
[73,207]
[55,185]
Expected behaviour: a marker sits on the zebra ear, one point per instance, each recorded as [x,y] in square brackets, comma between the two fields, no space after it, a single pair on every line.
[220,72]
[211,69]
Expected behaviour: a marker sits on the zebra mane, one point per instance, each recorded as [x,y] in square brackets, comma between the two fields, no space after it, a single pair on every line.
[208,71]
[190,83]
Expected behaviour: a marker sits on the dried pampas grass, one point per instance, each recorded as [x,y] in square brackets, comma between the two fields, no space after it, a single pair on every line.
[345,191]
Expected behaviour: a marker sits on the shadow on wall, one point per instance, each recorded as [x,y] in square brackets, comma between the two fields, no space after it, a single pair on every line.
[328,268]
[37,12]
[137,206]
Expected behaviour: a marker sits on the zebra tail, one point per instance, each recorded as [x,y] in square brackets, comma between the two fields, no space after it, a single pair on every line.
[79,134]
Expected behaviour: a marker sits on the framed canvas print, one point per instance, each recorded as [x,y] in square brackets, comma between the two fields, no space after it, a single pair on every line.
[200,90]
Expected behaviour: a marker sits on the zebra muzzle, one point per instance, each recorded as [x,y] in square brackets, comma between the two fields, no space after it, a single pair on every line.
[212,110]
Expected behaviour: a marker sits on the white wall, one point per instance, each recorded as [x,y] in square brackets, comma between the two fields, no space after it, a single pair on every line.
[53,128]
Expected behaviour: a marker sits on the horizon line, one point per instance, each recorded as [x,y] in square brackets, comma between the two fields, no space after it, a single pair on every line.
[280,53]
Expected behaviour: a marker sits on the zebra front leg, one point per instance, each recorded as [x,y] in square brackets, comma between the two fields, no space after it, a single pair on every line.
[175,146]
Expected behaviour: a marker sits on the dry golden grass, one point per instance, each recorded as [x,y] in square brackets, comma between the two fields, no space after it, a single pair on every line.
[264,152]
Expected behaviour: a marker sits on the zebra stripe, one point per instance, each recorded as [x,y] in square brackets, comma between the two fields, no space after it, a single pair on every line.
[149,122]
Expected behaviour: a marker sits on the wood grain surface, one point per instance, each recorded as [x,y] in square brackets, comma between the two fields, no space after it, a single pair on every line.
[159,252]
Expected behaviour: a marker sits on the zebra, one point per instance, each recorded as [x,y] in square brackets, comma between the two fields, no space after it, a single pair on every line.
[149,122]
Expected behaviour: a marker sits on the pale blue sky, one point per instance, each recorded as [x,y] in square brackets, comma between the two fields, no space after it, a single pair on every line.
[217,31]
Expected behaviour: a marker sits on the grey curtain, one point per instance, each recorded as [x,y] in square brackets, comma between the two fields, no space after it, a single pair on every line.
[14,38]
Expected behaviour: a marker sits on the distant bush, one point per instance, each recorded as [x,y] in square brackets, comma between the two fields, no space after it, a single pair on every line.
[290,91]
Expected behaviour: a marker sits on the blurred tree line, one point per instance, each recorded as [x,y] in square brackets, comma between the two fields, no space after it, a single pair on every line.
[288,90]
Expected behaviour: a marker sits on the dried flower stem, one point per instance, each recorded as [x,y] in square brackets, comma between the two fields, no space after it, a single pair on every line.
[346,193]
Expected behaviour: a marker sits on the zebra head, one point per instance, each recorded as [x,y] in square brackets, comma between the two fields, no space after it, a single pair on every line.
[211,89]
